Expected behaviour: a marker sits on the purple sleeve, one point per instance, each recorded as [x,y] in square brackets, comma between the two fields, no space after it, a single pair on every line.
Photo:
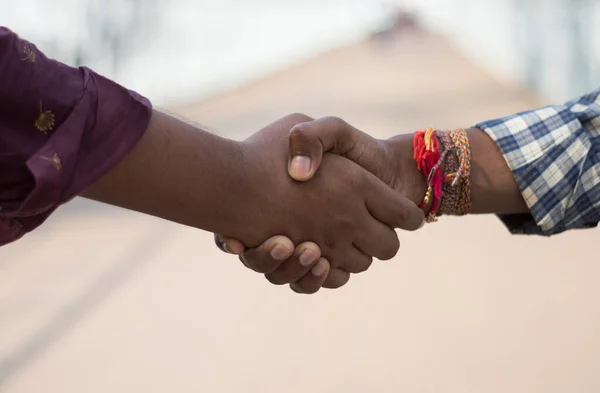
[61,129]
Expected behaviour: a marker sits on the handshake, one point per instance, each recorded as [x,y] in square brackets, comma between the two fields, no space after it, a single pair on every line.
[330,197]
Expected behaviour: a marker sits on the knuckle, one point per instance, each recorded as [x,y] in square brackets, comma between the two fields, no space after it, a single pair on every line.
[390,249]
[260,265]
[400,211]
[276,279]
[336,122]
[302,141]
[298,288]
[286,273]
[304,288]
[408,216]
[344,139]
[298,136]
[299,117]
[310,291]
[336,279]
[362,266]
[419,219]
[297,131]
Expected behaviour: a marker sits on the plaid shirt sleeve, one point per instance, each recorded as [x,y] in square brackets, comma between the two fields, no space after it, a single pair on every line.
[554,154]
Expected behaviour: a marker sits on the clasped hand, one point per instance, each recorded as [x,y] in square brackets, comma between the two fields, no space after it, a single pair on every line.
[328,198]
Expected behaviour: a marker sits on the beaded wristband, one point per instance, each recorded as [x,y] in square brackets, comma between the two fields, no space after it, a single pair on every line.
[451,198]
[435,181]
[463,175]
[429,161]
[446,165]
[426,154]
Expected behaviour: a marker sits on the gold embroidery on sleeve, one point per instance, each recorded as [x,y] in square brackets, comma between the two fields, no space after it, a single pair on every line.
[55,160]
[29,54]
[45,121]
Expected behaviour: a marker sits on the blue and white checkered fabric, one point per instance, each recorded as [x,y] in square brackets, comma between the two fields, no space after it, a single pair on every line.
[554,154]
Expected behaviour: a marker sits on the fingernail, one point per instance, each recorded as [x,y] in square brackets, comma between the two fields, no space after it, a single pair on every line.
[300,165]
[308,257]
[280,253]
[319,269]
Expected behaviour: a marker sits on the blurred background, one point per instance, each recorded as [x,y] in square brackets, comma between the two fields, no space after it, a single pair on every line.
[101,299]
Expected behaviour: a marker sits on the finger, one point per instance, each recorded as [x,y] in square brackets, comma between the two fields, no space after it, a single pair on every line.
[268,256]
[309,141]
[296,266]
[389,207]
[230,246]
[336,278]
[354,261]
[312,281]
[379,240]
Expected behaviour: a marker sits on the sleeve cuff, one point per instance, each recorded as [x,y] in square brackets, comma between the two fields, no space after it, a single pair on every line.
[546,150]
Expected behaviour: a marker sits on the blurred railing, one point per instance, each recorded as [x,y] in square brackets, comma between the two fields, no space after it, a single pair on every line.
[549,46]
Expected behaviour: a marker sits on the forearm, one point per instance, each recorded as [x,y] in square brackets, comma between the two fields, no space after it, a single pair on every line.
[493,187]
[177,172]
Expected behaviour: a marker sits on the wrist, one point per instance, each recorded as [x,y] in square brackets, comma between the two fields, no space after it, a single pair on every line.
[408,181]
[231,180]
[494,189]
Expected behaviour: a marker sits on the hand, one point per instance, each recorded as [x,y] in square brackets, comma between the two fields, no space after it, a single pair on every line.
[308,141]
[282,264]
[389,160]
[344,209]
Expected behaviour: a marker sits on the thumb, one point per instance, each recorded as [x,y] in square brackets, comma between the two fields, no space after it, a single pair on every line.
[309,141]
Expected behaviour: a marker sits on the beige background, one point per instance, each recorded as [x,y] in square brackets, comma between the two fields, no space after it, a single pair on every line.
[104,300]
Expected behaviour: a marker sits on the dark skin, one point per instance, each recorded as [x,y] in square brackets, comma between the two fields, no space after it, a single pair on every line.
[242,189]
[494,189]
